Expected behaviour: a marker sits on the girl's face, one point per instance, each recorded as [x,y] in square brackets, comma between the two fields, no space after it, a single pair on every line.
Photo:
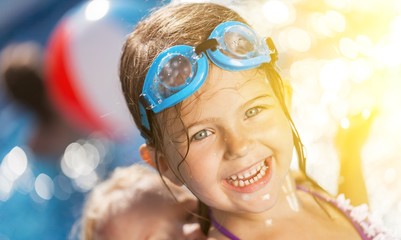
[240,142]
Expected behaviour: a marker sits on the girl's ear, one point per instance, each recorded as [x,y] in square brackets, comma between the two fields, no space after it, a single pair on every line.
[148,155]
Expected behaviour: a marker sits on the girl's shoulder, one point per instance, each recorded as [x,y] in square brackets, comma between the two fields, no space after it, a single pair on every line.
[366,224]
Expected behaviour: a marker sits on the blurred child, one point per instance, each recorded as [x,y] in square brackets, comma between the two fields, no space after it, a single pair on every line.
[22,73]
[135,204]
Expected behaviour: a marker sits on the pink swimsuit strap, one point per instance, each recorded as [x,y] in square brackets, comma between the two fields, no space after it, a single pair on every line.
[334,203]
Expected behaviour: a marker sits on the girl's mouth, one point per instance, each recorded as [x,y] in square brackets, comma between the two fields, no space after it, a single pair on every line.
[251,179]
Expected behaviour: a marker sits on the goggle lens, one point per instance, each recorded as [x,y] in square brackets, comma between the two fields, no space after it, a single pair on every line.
[239,43]
[175,72]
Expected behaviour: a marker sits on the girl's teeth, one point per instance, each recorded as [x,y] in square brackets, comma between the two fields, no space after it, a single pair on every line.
[246,178]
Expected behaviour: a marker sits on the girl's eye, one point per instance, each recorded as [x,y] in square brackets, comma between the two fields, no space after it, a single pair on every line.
[252,112]
[201,135]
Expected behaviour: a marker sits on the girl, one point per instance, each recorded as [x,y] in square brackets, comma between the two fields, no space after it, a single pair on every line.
[203,89]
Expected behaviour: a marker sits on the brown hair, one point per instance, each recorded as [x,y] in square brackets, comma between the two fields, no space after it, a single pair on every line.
[189,24]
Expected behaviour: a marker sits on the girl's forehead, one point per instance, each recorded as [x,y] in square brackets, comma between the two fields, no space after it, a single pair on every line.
[220,78]
[221,81]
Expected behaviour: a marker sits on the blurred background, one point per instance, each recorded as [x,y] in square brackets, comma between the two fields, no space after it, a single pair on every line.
[64,123]
[341,57]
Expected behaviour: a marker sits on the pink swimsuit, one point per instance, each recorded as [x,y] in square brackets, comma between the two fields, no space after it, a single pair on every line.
[367,227]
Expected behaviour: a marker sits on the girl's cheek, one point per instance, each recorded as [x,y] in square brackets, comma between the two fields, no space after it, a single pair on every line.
[276,128]
[201,163]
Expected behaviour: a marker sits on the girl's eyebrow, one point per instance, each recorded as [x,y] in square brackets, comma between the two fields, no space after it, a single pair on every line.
[203,121]
[256,99]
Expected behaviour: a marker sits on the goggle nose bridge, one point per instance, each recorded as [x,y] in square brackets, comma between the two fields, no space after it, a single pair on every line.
[211,44]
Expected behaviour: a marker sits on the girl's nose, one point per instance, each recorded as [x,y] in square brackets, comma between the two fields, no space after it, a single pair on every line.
[236,143]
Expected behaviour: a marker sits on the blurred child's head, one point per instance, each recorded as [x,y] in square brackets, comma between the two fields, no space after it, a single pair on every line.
[21,68]
[135,204]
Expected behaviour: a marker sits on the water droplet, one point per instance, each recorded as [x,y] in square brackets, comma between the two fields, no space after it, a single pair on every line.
[266,197]
[246,197]
[269,222]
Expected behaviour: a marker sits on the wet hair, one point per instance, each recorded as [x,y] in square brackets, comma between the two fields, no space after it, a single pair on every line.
[174,24]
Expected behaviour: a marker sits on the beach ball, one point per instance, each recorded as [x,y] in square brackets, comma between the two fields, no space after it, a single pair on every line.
[82,60]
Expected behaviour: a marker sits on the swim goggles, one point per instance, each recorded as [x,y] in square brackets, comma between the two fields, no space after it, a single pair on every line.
[179,71]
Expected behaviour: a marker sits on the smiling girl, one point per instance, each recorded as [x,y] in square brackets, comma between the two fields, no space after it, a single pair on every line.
[203,90]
